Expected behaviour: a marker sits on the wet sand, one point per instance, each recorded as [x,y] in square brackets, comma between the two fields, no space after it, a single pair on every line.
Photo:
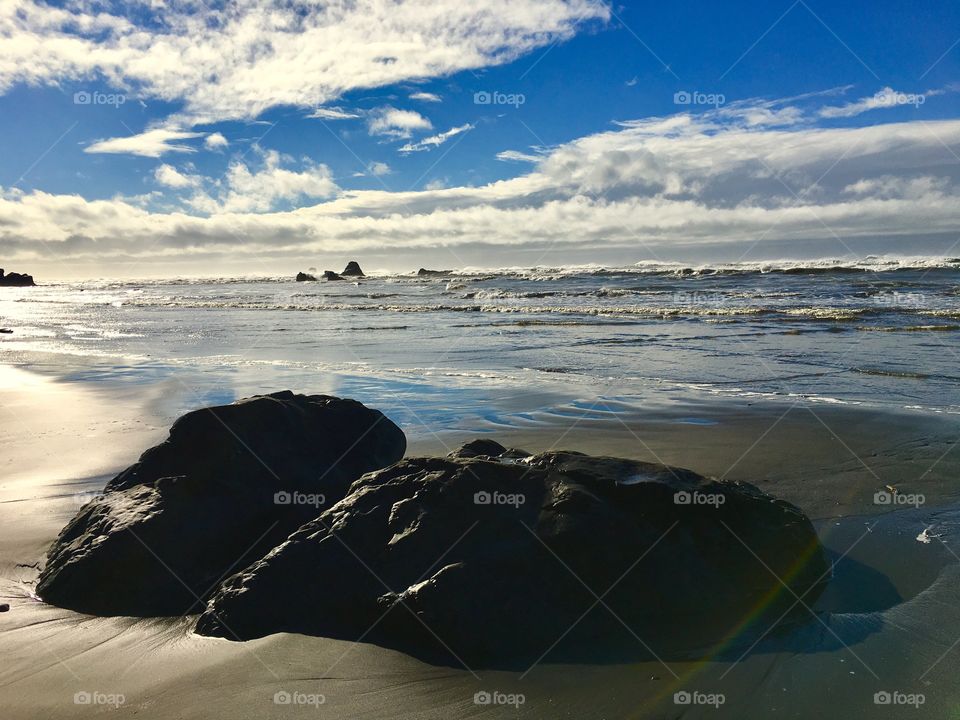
[887,623]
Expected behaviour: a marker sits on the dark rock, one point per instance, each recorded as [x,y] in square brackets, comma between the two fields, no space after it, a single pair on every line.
[16,279]
[6,331]
[4,607]
[304,277]
[423,272]
[226,486]
[352,270]
[331,275]
[503,560]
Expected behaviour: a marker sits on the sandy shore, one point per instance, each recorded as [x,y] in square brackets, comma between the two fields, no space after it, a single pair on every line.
[888,622]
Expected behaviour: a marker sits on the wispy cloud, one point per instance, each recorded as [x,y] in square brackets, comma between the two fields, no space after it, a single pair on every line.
[332,113]
[433,141]
[426,97]
[150,143]
[885,99]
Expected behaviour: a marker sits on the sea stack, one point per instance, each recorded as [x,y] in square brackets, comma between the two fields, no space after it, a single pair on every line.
[16,279]
[304,277]
[352,270]
[331,275]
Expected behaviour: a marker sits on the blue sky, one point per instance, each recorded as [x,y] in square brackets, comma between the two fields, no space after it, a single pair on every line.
[365,130]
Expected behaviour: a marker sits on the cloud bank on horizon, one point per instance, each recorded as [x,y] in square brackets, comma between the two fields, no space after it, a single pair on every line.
[280,130]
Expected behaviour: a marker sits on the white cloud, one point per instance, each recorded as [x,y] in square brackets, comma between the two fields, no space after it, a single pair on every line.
[396,123]
[517,156]
[245,191]
[236,60]
[150,143]
[433,141]
[332,113]
[656,182]
[379,168]
[215,141]
[426,97]
[171,177]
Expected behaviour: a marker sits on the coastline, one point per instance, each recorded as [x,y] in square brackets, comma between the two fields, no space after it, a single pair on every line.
[166,671]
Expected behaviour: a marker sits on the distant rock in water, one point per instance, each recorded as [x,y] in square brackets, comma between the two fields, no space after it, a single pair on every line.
[304,277]
[352,270]
[423,272]
[6,331]
[15,279]
[226,486]
[503,556]
[331,275]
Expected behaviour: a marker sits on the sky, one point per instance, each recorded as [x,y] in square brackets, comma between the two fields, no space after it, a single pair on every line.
[159,137]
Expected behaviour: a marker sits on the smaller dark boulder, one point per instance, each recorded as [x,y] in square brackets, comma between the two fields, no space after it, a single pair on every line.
[352,270]
[4,607]
[16,279]
[331,275]
[423,272]
[304,277]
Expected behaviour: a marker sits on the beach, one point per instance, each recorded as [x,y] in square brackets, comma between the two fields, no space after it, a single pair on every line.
[82,401]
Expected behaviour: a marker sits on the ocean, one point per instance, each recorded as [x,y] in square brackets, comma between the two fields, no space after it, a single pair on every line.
[513,346]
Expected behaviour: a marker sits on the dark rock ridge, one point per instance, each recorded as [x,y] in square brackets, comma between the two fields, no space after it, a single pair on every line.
[503,556]
[352,270]
[423,272]
[15,279]
[331,275]
[227,485]
[304,277]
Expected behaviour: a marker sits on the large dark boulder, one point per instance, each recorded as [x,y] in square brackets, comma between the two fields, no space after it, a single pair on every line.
[226,486]
[331,275]
[352,270]
[16,279]
[493,557]
[305,277]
